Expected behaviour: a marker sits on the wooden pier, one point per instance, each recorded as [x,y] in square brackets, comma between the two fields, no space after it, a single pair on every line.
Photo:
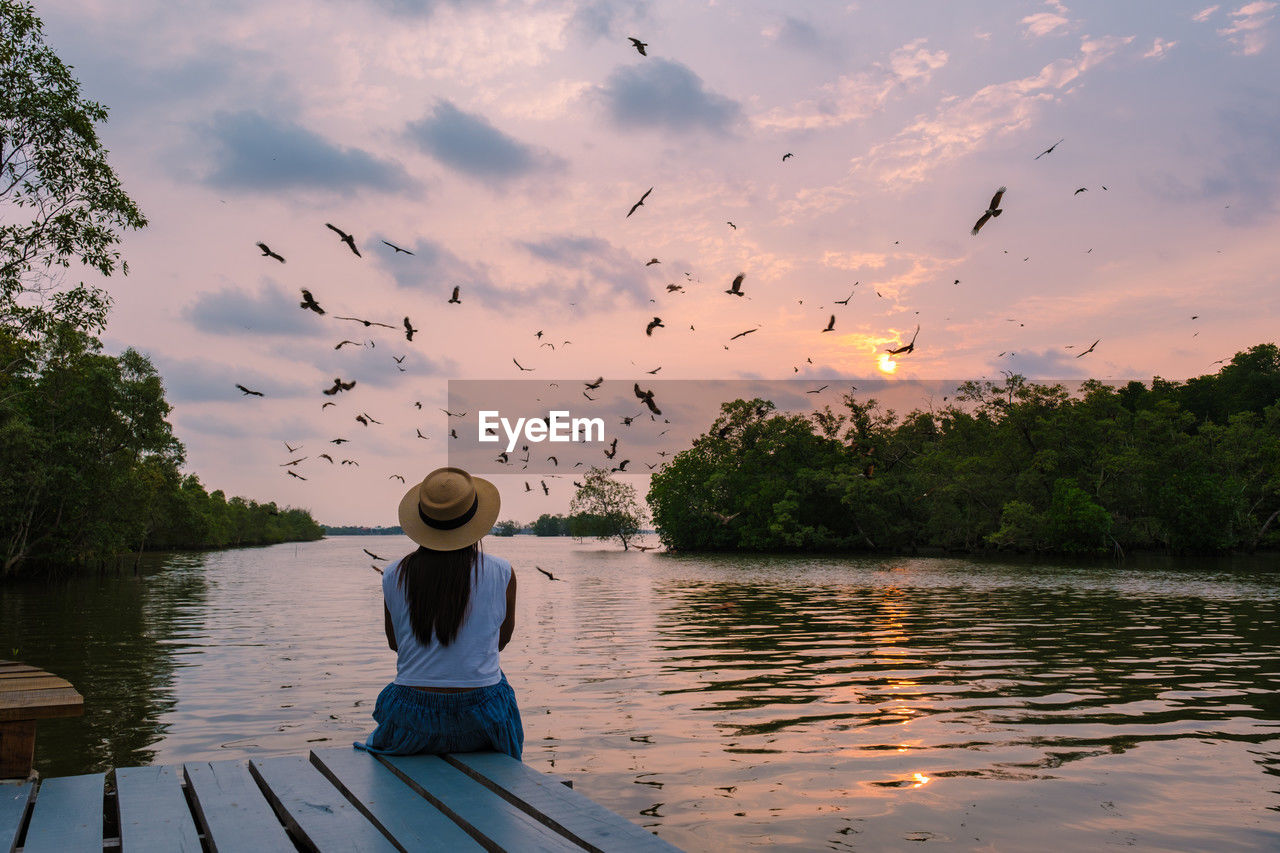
[333,799]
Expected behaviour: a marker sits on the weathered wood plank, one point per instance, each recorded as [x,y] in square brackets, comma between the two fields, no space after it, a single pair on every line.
[17,748]
[154,815]
[67,816]
[568,812]
[13,808]
[386,800]
[33,681]
[316,812]
[18,670]
[40,704]
[233,810]
[482,813]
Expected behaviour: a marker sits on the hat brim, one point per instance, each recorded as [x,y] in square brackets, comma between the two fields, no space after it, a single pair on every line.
[488,505]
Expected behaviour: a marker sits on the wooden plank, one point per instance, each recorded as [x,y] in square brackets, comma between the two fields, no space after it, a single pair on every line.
[568,812]
[232,809]
[13,808]
[387,801]
[17,748]
[19,670]
[154,815]
[317,814]
[40,704]
[483,814]
[32,681]
[67,816]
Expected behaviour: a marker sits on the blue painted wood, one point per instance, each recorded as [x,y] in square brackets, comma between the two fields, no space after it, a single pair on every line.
[480,811]
[568,812]
[13,808]
[316,812]
[154,815]
[232,809]
[386,800]
[67,816]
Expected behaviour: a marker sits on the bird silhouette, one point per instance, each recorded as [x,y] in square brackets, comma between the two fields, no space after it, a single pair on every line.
[651,262]
[736,287]
[845,301]
[397,248]
[372,555]
[267,253]
[1081,190]
[454,414]
[339,440]
[293,473]
[339,385]
[408,333]
[523,369]
[249,393]
[342,344]
[993,209]
[361,419]
[639,203]
[1090,349]
[454,299]
[654,372]
[420,435]
[622,466]
[638,45]
[655,323]
[399,359]
[396,477]
[371,418]
[731,225]
[299,447]
[367,323]
[594,385]
[647,397]
[741,334]
[722,518]
[831,324]
[612,451]
[1048,150]
[327,456]
[293,462]
[785,156]
[818,390]
[345,237]
[309,302]
[545,490]
[350,462]
[548,574]
[908,348]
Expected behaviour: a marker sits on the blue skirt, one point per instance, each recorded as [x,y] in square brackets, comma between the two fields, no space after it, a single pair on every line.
[412,721]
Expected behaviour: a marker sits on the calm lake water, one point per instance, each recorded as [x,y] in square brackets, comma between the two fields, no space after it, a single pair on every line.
[734,703]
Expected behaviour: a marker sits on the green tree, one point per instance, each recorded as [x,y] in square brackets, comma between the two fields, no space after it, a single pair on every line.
[551,525]
[605,508]
[62,200]
[506,528]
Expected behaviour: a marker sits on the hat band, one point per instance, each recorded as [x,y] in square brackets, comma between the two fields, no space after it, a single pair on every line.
[451,523]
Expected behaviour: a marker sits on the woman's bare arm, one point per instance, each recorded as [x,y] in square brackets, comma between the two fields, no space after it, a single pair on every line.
[389,628]
[509,623]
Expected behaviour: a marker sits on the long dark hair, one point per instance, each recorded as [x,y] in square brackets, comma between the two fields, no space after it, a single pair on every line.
[437,586]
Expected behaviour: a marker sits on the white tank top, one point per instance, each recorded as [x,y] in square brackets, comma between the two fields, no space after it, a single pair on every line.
[471,660]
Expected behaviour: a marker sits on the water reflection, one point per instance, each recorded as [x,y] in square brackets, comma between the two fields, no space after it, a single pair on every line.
[118,639]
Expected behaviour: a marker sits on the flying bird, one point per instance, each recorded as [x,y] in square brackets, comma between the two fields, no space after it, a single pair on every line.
[818,390]
[342,344]
[639,203]
[1090,349]
[831,324]
[299,447]
[454,414]
[408,334]
[548,574]
[345,237]
[594,385]
[845,301]
[455,300]
[785,156]
[362,419]
[908,348]
[1081,190]
[292,462]
[309,302]
[612,451]
[638,45]
[1048,150]
[396,477]
[267,253]
[993,209]
[731,225]
[367,323]
[545,490]
[736,287]
[372,555]
[722,518]
[673,287]
[655,323]
[339,440]
[651,262]
[522,368]
[397,248]
[339,385]
[739,335]
[293,473]
[420,435]
[350,462]
[249,393]
[327,456]
[647,397]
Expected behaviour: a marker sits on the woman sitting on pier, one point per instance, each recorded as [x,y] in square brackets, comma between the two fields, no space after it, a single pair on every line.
[449,608]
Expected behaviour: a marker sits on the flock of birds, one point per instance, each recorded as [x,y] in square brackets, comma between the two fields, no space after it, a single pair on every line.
[309,302]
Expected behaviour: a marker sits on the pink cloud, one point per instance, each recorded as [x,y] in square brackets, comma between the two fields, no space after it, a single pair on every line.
[1247,30]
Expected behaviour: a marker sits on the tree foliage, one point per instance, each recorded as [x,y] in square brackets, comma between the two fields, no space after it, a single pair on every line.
[91,467]
[60,201]
[604,508]
[1182,467]
[551,525]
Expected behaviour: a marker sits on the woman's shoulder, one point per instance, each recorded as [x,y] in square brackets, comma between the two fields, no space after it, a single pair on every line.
[500,564]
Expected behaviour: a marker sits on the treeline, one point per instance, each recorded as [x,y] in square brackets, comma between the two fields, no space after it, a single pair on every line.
[356,530]
[545,525]
[90,468]
[1183,467]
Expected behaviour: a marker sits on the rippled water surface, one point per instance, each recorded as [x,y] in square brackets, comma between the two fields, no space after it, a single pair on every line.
[734,703]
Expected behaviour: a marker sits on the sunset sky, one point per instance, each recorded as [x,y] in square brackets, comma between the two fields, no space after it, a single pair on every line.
[504,142]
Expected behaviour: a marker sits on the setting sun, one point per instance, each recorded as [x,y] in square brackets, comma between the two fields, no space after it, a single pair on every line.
[887,364]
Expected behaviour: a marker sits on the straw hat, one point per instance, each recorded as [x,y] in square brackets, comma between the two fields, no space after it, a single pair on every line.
[449,510]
